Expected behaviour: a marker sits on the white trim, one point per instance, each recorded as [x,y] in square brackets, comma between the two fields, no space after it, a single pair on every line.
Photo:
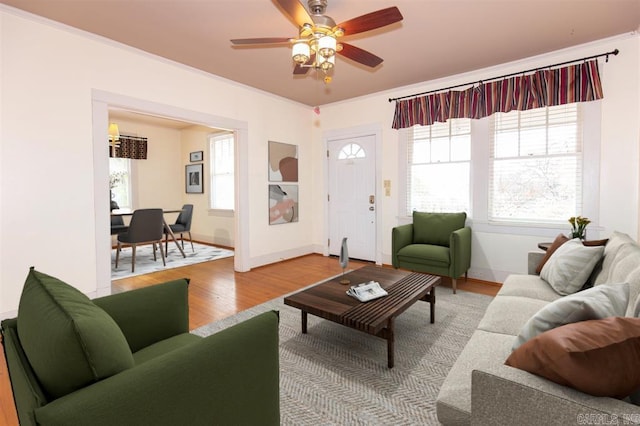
[591,137]
[374,130]
[276,257]
[101,101]
[100,120]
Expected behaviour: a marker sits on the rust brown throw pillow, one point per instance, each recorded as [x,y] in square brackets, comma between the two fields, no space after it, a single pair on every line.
[560,240]
[597,357]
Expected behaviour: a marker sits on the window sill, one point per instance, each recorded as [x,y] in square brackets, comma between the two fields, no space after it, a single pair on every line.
[544,230]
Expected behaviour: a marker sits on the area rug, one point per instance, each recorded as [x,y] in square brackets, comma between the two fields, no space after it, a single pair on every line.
[145,263]
[338,376]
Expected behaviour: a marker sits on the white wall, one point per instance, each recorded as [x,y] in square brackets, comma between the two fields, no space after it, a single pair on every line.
[495,253]
[51,206]
[208,225]
[157,181]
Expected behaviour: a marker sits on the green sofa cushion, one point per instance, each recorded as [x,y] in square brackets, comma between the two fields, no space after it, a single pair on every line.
[69,341]
[436,228]
[425,254]
[164,346]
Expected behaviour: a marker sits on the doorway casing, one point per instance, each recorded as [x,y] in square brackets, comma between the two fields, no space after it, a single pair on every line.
[101,101]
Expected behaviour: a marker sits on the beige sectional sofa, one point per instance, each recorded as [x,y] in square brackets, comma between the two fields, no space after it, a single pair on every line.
[481,390]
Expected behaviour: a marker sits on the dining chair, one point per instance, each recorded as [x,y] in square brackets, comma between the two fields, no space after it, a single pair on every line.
[117,225]
[117,222]
[182,226]
[146,227]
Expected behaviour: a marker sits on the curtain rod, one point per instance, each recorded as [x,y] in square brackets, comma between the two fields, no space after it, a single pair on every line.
[613,52]
[132,136]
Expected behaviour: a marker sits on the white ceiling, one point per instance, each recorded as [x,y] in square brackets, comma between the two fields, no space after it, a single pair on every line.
[437,38]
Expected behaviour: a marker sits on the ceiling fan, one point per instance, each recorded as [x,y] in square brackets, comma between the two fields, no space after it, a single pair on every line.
[318,34]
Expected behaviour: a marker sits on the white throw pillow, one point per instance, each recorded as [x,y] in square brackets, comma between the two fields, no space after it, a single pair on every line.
[570,266]
[606,300]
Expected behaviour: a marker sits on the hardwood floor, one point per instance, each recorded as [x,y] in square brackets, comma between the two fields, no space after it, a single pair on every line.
[216,291]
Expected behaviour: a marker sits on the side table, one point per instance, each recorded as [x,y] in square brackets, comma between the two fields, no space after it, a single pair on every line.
[544,246]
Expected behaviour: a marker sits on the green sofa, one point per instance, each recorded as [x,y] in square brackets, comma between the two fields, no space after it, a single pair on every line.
[435,243]
[128,359]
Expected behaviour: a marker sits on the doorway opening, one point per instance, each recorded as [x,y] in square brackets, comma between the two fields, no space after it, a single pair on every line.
[103,103]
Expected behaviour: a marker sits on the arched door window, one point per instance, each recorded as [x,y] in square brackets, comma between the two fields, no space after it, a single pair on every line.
[350,151]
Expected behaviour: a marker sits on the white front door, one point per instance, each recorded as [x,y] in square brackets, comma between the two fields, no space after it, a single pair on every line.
[352,192]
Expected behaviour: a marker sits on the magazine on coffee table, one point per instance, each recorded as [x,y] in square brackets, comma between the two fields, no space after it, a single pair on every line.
[367,291]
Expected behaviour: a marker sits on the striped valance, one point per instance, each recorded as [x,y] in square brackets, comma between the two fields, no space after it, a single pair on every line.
[548,87]
[130,147]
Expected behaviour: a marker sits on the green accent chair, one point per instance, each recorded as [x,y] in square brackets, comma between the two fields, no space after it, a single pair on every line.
[435,243]
[129,359]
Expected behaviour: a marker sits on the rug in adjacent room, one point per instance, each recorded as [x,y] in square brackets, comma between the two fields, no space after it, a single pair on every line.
[337,376]
[174,259]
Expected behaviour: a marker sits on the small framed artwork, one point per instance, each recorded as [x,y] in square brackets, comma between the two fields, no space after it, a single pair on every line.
[283,204]
[283,162]
[193,179]
[195,156]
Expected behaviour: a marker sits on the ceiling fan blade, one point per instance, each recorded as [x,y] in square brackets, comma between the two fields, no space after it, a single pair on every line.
[300,70]
[371,21]
[295,10]
[360,55]
[260,40]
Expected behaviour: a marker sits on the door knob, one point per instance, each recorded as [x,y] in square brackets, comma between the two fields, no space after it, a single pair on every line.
[372,208]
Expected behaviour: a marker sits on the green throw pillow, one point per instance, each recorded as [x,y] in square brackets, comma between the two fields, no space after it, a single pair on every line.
[69,341]
[436,228]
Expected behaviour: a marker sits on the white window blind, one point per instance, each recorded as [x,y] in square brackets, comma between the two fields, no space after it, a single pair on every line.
[438,165]
[535,165]
[222,172]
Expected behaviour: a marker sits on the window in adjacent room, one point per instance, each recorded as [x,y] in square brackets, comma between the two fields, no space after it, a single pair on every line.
[221,148]
[438,165]
[535,165]
[120,182]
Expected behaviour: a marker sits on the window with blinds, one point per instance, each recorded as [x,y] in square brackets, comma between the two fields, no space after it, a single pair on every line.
[438,166]
[536,165]
[222,151]
[120,182]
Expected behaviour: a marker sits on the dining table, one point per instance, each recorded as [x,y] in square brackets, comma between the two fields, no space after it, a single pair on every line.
[167,228]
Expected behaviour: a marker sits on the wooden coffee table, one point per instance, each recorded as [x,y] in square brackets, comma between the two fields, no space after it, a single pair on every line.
[328,300]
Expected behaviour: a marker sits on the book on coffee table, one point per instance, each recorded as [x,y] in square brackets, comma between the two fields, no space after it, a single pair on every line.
[367,291]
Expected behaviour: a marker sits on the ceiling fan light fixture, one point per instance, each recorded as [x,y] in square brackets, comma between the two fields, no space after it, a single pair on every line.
[301,52]
[327,63]
[317,42]
[327,46]
[306,30]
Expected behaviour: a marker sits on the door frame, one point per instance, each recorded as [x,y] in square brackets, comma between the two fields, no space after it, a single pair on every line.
[101,101]
[374,130]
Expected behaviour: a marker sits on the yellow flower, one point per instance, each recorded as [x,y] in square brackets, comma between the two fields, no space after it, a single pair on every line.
[578,226]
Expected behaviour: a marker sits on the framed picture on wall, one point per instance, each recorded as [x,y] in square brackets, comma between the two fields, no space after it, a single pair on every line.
[283,204]
[193,179]
[283,162]
[195,156]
